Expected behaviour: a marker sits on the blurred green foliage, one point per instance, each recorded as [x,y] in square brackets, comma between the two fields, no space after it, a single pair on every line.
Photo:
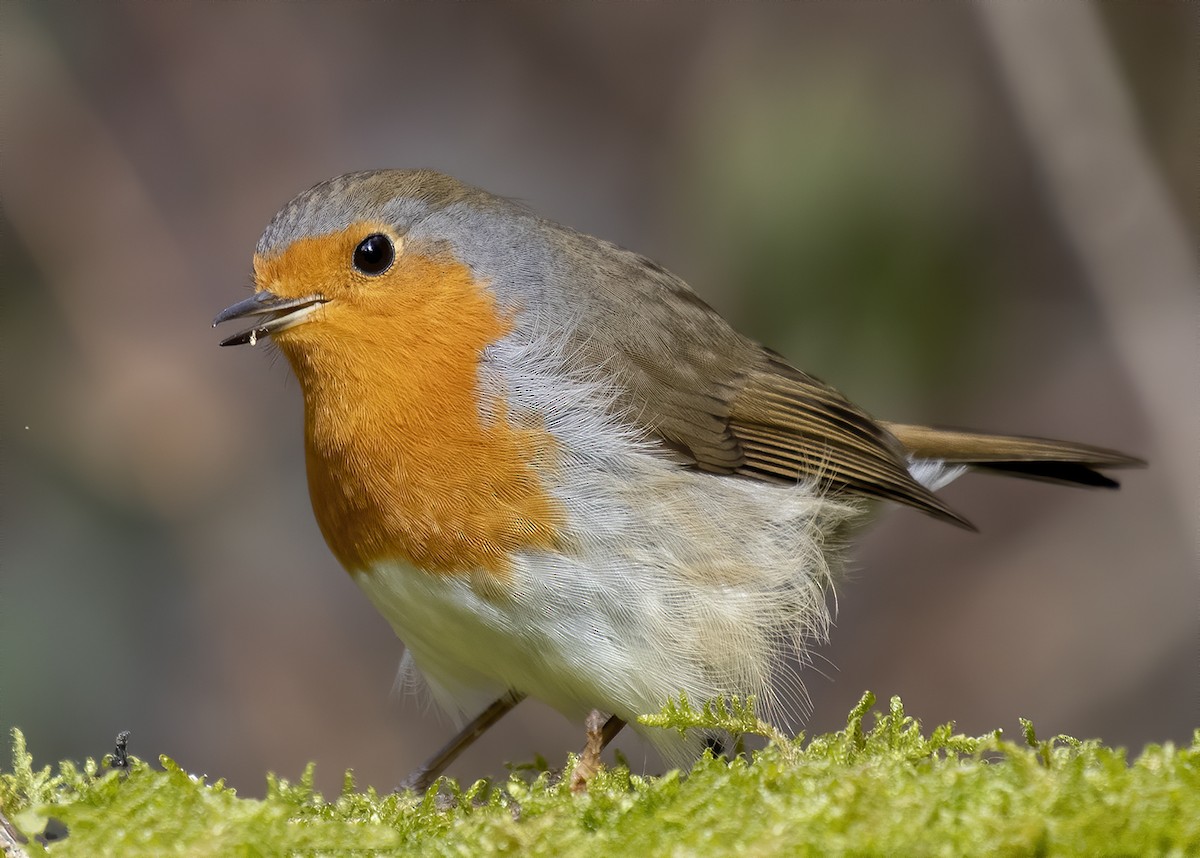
[846,225]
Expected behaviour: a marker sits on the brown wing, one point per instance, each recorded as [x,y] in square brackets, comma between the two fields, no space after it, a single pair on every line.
[790,424]
[723,402]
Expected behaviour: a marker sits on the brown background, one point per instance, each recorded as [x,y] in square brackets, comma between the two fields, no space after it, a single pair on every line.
[850,183]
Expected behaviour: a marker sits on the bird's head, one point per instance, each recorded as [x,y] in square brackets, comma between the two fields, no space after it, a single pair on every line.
[380,266]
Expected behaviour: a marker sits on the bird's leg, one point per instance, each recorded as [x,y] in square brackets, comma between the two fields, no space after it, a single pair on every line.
[420,778]
[599,733]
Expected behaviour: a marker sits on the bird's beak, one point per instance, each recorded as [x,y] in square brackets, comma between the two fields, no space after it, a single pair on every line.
[277,314]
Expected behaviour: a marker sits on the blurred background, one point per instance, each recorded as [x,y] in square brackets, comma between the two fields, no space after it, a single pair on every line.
[911,201]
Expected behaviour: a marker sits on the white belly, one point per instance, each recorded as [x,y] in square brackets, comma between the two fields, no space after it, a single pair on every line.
[673,581]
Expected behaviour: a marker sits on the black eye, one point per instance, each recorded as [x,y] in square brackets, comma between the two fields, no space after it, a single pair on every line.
[374,254]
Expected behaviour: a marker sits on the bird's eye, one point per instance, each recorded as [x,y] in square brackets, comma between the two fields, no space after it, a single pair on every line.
[374,254]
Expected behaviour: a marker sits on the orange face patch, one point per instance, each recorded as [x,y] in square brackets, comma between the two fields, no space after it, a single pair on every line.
[402,464]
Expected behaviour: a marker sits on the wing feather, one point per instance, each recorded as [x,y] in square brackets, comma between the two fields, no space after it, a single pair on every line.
[723,401]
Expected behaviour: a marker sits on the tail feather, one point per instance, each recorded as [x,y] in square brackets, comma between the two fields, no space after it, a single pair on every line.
[1033,458]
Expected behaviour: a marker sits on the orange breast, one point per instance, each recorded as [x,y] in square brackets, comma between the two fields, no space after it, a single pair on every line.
[402,461]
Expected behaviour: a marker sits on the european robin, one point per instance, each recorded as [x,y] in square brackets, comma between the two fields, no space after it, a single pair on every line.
[557,472]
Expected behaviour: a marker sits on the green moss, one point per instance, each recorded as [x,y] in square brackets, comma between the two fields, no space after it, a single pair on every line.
[889,790]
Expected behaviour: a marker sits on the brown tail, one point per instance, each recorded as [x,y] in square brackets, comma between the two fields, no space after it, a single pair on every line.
[1032,458]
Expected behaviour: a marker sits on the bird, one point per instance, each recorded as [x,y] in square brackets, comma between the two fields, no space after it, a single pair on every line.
[558,473]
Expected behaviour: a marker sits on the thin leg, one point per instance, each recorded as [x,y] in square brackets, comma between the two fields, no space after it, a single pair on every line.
[599,734]
[420,778]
